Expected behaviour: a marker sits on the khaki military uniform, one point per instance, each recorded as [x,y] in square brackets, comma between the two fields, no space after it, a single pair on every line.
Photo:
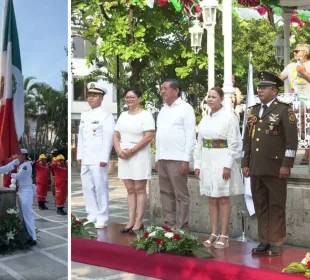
[270,142]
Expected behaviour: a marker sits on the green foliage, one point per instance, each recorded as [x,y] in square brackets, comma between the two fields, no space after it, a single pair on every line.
[164,239]
[159,47]
[13,233]
[46,110]
[82,228]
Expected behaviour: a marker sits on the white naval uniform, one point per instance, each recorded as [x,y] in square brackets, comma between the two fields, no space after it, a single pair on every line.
[25,192]
[94,146]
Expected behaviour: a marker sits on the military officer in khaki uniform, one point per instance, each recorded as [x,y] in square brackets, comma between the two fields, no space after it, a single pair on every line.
[269,146]
[93,155]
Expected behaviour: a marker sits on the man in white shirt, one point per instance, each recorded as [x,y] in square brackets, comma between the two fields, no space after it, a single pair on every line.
[93,155]
[175,141]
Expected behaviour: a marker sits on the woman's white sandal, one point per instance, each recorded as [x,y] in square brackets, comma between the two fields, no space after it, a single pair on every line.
[220,244]
[208,243]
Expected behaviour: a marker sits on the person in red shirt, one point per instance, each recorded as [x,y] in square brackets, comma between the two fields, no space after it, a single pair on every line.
[42,173]
[61,183]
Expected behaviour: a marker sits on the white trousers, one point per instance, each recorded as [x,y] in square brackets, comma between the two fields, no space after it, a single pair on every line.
[25,200]
[96,191]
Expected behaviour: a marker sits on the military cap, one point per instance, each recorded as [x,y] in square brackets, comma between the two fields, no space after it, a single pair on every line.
[94,87]
[23,151]
[269,79]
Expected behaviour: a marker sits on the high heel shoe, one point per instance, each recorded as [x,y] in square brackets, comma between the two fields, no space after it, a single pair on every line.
[126,230]
[135,231]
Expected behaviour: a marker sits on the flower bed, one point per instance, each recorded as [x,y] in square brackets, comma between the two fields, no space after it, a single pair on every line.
[164,239]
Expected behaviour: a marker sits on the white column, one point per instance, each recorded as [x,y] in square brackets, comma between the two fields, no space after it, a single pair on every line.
[286,17]
[211,59]
[227,32]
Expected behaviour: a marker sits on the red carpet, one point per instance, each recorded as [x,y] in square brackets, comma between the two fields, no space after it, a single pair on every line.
[112,251]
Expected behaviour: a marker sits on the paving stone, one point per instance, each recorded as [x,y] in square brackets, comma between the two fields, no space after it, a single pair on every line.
[31,262]
[63,231]
[7,277]
[2,273]
[61,253]
[50,271]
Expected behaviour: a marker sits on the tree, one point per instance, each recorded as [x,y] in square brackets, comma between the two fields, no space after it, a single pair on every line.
[46,111]
[153,44]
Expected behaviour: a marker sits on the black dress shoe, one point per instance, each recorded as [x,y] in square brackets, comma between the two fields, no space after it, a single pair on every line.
[31,242]
[274,251]
[135,231]
[261,249]
[42,205]
[60,211]
[125,230]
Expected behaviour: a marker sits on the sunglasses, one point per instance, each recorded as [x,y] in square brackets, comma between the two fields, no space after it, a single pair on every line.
[297,51]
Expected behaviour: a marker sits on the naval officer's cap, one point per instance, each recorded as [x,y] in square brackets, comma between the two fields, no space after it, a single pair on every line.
[269,79]
[95,87]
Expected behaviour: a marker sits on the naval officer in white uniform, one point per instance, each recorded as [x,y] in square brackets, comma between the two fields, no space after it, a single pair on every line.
[25,190]
[93,155]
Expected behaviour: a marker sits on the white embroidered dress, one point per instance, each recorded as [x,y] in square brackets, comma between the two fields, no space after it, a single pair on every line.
[211,161]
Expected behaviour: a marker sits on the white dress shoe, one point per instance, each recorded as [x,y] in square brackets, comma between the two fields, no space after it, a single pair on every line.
[100,225]
[91,219]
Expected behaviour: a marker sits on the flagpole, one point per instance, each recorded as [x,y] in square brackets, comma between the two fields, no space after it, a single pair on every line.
[243,212]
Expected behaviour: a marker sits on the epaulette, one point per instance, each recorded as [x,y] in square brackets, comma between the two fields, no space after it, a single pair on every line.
[286,103]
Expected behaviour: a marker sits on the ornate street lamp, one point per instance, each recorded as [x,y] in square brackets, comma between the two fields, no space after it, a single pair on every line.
[278,46]
[209,20]
[209,12]
[196,32]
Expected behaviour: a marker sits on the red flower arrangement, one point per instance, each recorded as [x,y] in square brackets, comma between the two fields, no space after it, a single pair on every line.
[164,239]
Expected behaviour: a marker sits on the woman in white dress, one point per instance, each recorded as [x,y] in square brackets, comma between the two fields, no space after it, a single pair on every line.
[219,145]
[134,131]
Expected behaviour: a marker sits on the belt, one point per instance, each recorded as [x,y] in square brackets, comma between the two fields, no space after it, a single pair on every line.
[215,143]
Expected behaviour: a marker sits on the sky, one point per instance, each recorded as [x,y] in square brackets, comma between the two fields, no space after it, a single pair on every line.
[43,35]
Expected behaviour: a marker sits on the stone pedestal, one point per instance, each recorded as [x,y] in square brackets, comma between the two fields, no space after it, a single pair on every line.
[298,212]
[7,200]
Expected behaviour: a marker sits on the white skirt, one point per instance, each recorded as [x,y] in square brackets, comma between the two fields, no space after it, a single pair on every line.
[211,175]
[138,166]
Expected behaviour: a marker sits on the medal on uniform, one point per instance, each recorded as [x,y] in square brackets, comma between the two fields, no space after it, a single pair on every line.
[94,130]
[267,131]
[271,127]
[275,133]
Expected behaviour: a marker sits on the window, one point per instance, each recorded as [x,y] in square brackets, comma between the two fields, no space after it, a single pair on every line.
[114,93]
[80,47]
[79,90]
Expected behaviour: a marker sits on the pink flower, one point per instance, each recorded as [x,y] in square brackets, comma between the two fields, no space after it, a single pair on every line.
[146,235]
[308,264]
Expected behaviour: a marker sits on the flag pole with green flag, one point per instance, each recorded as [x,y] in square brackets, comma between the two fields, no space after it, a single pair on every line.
[11,89]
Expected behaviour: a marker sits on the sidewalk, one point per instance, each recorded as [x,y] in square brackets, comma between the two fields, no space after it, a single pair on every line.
[48,260]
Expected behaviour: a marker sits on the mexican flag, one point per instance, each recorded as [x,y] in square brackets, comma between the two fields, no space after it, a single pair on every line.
[11,87]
